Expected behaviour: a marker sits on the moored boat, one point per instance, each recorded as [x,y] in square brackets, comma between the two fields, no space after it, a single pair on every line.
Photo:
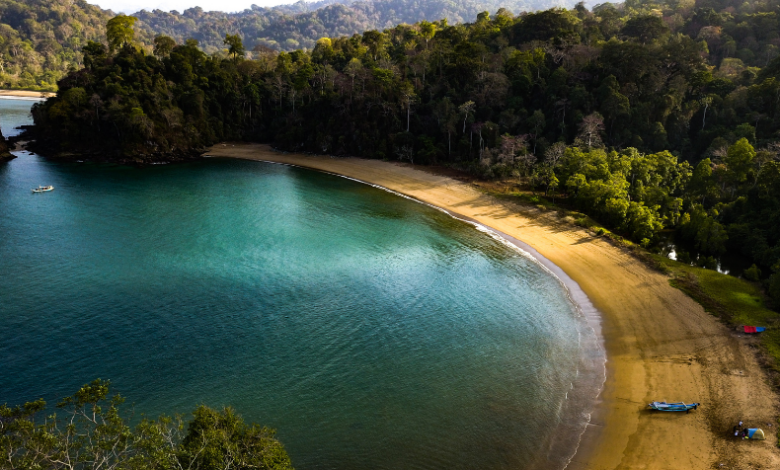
[43,189]
[680,406]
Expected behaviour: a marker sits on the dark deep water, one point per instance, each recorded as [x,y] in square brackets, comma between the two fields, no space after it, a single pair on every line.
[371,331]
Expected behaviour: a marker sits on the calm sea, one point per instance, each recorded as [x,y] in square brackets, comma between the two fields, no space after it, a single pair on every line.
[371,331]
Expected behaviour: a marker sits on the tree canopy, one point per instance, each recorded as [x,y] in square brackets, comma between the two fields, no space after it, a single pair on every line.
[88,431]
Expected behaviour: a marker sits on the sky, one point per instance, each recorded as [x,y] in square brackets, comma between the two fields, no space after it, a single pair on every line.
[131,6]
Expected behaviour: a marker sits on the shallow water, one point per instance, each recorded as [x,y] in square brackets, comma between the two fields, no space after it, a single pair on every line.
[371,331]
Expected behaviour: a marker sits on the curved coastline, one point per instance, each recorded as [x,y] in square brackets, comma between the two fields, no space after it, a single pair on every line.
[660,344]
[592,371]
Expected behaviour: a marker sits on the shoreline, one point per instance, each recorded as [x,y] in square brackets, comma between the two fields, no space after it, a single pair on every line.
[594,355]
[660,344]
[25,95]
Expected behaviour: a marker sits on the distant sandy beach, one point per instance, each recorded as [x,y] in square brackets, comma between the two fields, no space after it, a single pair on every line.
[23,94]
[660,344]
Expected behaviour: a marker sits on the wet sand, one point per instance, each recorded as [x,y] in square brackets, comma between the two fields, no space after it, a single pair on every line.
[660,344]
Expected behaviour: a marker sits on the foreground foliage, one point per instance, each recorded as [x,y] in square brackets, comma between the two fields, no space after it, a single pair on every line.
[88,432]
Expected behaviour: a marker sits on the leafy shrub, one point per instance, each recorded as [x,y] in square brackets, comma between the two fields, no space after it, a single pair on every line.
[752,273]
[89,429]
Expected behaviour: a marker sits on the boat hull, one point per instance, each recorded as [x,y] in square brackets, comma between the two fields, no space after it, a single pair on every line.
[678,407]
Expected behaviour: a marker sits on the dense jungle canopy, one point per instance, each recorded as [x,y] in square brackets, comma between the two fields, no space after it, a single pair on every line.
[41,40]
[647,116]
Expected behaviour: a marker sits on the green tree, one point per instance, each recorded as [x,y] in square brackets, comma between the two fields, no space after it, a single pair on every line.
[702,184]
[645,28]
[216,440]
[642,222]
[708,234]
[119,31]
[94,54]
[89,432]
[235,46]
[614,104]
[427,31]
[375,42]
[739,160]
[163,45]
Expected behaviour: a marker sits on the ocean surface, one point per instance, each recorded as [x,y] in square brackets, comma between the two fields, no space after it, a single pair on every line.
[371,331]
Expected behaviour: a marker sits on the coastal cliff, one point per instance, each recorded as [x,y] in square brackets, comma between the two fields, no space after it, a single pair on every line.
[5,155]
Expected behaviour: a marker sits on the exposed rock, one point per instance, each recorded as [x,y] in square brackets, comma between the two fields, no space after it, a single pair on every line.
[5,155]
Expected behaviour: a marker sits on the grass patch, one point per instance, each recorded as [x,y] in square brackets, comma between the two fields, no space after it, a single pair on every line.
[735,301]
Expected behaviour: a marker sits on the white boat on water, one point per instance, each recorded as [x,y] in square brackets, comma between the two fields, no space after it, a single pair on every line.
[43,189]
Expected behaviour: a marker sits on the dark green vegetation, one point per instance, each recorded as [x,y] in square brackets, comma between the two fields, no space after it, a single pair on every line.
[41,40]
[646,116]
[88,432]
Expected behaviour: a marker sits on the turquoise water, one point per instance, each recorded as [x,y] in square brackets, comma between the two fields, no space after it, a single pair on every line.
[14,113]
[371,331]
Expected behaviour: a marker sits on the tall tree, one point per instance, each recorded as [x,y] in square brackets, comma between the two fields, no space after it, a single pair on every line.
[119,31]
[235,46]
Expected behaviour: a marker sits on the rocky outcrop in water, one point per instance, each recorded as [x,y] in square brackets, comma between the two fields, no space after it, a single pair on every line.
[5,155]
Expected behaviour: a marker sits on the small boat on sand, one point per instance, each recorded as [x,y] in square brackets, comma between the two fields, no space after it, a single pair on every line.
[43,189]
[753,329]
[663,406]
[756,434]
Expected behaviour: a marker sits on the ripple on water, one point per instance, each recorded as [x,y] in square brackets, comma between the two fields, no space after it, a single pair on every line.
[371,331]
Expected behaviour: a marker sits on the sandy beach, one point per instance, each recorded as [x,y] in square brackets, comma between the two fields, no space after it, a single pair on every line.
[24,94]
[660,344]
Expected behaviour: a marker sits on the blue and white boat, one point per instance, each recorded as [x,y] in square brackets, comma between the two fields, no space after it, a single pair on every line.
[663,406]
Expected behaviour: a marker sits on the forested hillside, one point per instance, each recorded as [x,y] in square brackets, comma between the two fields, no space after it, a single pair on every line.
[40,40]
[299,25]
[646,117]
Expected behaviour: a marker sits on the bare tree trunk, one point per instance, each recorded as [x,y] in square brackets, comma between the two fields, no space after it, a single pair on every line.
[704,116]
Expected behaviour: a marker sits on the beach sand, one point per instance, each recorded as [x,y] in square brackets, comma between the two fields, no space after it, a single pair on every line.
[25,94]
[660,344]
